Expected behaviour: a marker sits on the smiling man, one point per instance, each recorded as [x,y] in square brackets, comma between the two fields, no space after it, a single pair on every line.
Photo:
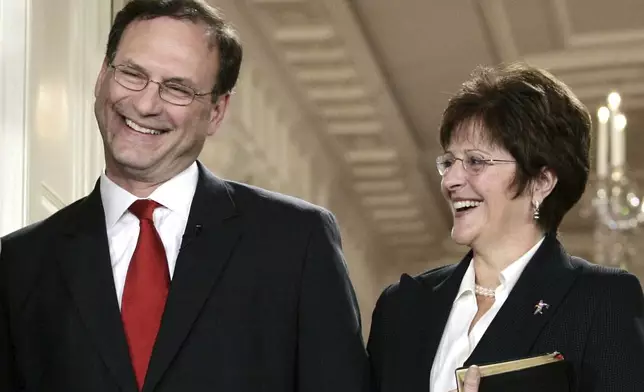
[165,277]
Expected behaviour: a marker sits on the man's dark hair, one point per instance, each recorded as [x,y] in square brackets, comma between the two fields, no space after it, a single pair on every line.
[222,35]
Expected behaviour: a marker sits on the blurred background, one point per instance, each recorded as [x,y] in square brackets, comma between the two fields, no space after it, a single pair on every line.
[339,103]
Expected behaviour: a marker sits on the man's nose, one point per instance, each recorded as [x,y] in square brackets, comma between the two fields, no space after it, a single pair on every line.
[148,102]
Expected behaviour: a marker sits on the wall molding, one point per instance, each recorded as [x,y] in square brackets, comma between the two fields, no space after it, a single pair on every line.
[50,200]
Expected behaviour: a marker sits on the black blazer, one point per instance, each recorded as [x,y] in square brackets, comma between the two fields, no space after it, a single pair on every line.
[595,318]
[260,301]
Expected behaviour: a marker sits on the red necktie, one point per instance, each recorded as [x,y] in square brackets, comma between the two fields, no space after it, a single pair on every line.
[146,290]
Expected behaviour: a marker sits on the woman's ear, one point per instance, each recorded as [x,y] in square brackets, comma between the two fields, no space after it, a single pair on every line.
[543,185]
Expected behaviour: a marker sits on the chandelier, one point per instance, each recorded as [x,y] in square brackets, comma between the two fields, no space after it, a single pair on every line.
[615,203]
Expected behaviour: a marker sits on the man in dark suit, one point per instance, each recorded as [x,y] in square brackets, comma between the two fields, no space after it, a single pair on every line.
[167,278]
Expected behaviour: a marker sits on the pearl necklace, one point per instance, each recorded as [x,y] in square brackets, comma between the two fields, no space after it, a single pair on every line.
[484,291]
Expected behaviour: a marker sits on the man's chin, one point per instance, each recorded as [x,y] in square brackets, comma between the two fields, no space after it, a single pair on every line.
[133,165]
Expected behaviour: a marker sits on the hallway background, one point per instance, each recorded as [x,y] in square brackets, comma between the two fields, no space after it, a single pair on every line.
[338,103]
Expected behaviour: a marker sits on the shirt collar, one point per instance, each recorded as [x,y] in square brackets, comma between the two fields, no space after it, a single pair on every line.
[467,284]
[175,194]
[508,277]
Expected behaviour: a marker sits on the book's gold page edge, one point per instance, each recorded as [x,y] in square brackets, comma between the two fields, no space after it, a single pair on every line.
[504,367]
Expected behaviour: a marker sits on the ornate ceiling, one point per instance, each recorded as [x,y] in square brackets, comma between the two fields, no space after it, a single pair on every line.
[373,76]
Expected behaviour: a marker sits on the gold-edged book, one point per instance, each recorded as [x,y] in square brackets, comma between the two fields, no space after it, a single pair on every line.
[539,373]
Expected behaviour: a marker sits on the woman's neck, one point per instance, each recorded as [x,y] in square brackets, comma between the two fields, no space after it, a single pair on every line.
[491,258]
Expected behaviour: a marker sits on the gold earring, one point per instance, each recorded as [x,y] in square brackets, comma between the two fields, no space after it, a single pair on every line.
[535,212]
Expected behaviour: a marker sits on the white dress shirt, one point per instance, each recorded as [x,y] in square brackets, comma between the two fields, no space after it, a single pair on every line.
[457,344]
[175,195]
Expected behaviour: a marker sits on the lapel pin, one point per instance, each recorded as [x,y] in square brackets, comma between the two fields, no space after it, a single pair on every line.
[540,307]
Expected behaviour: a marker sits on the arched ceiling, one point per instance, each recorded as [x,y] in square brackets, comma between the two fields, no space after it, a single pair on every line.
[375,75]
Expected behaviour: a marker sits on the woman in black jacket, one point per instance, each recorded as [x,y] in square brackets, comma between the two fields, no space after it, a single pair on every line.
[516,159]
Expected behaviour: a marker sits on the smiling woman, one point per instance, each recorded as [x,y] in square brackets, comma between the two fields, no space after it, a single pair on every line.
[516,142]
[496,217]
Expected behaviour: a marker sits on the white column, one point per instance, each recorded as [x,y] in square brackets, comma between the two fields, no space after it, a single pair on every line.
[91,21]
[66,48]
[13,157]
[50,148]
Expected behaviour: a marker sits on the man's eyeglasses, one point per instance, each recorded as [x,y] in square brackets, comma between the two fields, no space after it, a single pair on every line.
[171,92]
[472,163]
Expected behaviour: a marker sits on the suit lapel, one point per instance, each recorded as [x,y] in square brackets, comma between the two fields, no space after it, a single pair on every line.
[439,305]
[424,321]
[84,259]
[213,230]
[516,328]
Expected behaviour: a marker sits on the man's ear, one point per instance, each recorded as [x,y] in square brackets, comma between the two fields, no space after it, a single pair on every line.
[101,78]
[217,113]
